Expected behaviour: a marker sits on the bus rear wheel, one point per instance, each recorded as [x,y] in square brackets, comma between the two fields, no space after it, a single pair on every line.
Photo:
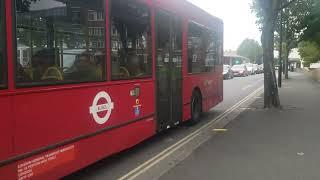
[196,108]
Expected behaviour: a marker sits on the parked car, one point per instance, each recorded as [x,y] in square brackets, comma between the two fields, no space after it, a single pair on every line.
[240,70]
[255,69]
[260,68]
[249,67]
[227,72]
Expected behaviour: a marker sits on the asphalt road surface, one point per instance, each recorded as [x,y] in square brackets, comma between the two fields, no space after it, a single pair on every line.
[119,165]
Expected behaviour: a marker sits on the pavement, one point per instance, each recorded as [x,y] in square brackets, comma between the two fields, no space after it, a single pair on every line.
[121,164]
[315,74]
[263,144]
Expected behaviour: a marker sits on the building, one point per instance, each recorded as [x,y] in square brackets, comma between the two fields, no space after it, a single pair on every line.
[295,59]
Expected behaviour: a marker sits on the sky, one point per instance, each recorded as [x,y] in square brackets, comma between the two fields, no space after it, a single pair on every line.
[239,22]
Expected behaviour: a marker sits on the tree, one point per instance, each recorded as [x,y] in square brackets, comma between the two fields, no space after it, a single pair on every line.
[24,5]
[251,49]
[267,13]
[309,52]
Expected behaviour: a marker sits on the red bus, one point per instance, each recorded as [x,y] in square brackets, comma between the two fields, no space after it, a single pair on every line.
[81,80]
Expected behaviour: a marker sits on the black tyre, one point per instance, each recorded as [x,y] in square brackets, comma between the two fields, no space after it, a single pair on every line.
[196,108]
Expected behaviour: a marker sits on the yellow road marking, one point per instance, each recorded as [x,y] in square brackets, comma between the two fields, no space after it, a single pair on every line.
[220,130]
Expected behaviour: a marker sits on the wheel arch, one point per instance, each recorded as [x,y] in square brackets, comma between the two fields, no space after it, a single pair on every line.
[198,91]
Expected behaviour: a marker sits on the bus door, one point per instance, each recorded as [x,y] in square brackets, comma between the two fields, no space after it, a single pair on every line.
[168,69]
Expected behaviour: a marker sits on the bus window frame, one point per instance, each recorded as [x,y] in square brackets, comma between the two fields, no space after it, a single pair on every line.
[146,77]
[63,83]
[3,35]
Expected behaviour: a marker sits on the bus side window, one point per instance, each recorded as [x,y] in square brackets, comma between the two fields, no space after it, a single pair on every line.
[131,52]
[220,48]
[2,47]
[202,49]
[60,42]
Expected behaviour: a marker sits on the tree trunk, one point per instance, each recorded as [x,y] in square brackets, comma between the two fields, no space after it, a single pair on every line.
[287,64]
[280,53]
[286,50]
[271,94]
[285,60]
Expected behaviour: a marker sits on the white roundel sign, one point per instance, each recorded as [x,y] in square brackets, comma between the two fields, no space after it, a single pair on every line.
[96,108]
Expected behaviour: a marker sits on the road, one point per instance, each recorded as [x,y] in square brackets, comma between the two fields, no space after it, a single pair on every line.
[119,165]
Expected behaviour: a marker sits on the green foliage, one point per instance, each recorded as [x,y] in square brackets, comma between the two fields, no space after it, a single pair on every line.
[257,10]
[293,23]
[251,49]
[309,52]
[294,13]
[312,24]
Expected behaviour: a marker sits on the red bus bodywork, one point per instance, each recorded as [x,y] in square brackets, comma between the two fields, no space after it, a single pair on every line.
[48,132]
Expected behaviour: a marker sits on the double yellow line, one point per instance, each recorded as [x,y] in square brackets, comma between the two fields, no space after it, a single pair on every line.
[170,150]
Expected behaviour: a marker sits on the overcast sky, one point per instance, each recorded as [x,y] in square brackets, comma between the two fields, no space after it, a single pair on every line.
[239,22]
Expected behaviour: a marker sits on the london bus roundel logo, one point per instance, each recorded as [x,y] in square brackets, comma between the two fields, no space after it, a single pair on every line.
[105,107]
